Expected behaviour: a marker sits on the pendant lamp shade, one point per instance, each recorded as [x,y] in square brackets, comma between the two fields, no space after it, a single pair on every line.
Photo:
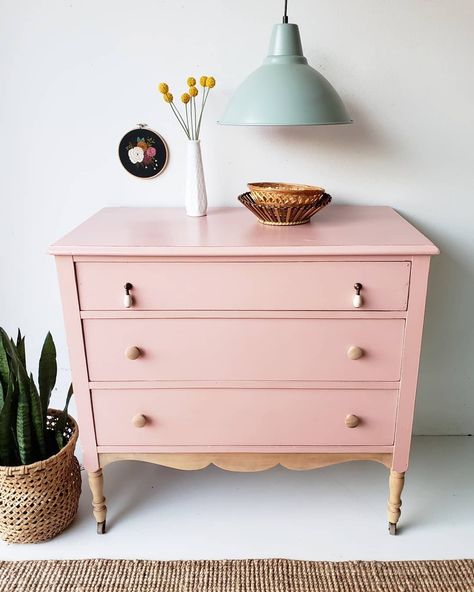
[285,90]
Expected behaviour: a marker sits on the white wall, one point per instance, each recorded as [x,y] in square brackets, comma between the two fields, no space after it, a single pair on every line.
[75,75]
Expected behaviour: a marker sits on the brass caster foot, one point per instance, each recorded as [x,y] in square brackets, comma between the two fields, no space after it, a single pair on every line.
[101,527]
[392,528]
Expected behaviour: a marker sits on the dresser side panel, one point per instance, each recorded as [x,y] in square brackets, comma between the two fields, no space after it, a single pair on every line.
[410,361]
[80,379]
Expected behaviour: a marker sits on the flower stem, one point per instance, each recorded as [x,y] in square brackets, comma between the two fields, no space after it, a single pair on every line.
[179,118]
[196,132]
[187,117]
[204,100]
[191,118]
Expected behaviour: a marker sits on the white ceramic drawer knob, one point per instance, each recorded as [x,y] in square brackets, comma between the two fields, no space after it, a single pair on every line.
[133,352]
[127,298]
[355,352]
[357,300]
[139,420]
[352,421]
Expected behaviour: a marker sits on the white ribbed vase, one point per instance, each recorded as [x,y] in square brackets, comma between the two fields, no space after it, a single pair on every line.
[196,196]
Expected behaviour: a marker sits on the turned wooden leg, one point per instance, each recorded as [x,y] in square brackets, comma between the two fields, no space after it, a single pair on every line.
[396,482]
[96,483]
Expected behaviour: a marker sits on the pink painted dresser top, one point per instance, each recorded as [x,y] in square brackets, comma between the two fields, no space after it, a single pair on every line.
[337,230]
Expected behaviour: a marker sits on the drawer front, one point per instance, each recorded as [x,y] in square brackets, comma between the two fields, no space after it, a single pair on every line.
[243,286]
[220,417]
[243,349]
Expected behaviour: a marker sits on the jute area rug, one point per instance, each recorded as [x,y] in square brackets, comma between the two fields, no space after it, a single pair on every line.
[272,575]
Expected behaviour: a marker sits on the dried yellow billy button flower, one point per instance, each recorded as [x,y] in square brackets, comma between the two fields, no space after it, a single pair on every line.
[191,118]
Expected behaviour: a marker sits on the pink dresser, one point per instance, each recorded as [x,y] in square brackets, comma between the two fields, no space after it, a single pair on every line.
[220,340]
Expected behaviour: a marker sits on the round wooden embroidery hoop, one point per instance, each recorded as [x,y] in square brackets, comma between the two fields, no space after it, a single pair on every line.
[144,126]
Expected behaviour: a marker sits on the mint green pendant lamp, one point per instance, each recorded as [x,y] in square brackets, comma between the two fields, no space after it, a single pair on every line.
[285,90]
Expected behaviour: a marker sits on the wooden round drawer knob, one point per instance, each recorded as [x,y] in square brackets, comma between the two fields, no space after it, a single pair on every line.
[133,352]
[139,420]
[355,352]
[352,421]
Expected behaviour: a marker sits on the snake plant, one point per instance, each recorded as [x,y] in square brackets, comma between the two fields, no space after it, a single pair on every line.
[25,436]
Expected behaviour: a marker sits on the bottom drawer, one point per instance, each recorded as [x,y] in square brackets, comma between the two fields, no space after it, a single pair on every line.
[235,417]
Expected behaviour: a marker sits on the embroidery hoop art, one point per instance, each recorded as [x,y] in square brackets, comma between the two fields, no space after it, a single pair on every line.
[142,127]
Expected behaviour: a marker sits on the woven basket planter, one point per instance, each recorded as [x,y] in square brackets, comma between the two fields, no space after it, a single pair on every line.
[40,500]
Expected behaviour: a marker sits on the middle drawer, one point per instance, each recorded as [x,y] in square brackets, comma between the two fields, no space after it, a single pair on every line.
[244,349]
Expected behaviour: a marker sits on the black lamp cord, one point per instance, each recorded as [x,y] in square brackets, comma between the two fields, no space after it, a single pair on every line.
[285,14]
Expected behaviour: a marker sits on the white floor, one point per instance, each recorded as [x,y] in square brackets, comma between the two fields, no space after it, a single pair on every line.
[336,513]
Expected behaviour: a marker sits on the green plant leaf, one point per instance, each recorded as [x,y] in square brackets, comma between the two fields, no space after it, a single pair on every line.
[47,373]
[14,451]
[62,420]
[2,396]
[59,439]
[7,418]
[20,348]
[39,426]
[4,367]
[12,356]
[23,419]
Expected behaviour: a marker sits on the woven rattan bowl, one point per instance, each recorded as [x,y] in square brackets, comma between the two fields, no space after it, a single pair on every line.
[284,194]
[287,215]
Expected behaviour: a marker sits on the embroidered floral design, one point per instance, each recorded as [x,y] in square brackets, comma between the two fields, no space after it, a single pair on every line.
[136,155]
[142,153]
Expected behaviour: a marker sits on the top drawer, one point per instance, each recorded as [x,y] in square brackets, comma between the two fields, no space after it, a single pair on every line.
[243,286]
